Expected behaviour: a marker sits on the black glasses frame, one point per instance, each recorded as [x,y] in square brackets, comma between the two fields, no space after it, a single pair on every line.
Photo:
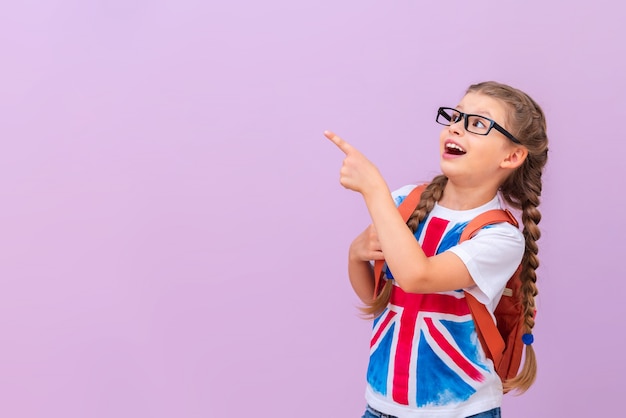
[465,117]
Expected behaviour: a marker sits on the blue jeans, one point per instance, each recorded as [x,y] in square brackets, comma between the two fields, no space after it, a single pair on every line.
[494,413]
[372,413]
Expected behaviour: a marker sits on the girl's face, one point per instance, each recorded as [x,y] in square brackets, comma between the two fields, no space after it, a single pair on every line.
[472,158]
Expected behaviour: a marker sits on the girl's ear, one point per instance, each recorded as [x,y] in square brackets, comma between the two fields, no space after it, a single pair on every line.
[515,158]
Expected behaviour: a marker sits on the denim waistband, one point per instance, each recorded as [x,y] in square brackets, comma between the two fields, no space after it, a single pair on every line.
[378,413]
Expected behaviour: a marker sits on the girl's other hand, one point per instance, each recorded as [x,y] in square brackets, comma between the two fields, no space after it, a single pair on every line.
[366,246]
[357,172]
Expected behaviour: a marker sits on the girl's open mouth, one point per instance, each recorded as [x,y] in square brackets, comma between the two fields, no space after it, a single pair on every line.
[454,149]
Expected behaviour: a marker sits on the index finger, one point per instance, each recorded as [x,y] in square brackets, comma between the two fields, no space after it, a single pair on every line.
[341,144]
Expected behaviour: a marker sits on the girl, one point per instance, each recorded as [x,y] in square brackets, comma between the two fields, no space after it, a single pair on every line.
[425,358]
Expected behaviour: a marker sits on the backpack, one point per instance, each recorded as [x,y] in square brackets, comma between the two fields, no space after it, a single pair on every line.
[502,343]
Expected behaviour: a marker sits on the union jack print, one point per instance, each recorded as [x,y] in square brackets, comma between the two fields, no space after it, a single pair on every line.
[423,349]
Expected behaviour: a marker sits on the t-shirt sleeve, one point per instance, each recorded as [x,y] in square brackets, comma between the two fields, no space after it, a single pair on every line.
[491,258]
[400,194]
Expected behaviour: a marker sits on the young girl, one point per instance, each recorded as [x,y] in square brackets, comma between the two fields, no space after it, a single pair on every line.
[425,358]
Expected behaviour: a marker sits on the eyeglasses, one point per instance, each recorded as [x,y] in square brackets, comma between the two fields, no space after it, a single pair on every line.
[475,124]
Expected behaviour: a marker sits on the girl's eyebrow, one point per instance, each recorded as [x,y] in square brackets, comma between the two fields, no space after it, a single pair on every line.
[480,112]
[484,112]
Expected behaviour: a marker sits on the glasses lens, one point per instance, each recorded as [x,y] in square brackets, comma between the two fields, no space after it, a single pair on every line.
[478,124]
[447,116]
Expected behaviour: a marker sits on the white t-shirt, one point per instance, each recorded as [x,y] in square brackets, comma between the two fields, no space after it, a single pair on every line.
[425,358]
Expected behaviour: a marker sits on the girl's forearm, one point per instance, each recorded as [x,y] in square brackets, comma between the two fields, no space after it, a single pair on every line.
[361,276]
[403,254]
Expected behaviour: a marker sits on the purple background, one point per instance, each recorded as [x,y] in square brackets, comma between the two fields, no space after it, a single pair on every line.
[174,237]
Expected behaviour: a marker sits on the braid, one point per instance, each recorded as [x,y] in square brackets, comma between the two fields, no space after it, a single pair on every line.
[432,194]
[522,190]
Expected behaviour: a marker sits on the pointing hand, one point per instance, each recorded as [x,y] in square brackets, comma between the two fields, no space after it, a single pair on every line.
[357,172]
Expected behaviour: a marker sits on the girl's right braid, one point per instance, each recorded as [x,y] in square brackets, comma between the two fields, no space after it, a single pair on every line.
[531,216]
[528,278]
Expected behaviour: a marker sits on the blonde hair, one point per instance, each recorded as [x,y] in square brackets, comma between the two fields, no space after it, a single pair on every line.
[521,190]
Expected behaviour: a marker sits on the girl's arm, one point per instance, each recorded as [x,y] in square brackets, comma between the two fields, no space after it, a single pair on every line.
[364,248]
[412,269]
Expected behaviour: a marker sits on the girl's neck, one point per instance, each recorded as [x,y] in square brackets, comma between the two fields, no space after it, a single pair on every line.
[457,197]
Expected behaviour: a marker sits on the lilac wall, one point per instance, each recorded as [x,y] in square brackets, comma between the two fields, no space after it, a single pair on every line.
[173,232]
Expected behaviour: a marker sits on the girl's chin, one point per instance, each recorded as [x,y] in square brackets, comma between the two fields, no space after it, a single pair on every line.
[449,168]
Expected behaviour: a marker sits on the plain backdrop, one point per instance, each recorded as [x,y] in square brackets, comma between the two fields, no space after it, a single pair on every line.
[173,236]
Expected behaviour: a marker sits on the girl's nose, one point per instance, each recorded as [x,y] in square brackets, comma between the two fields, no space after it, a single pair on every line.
[457,127]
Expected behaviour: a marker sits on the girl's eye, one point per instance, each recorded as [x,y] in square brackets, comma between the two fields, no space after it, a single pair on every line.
[479,123]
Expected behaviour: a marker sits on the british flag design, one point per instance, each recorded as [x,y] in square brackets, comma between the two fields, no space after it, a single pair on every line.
[424,349]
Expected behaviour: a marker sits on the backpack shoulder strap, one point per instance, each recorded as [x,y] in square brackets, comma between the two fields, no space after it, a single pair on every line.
[490,217]
[405,208]
[488,333]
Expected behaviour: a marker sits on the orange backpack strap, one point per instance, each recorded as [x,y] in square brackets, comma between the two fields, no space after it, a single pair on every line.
[490,217]
[487,331]
[406,208]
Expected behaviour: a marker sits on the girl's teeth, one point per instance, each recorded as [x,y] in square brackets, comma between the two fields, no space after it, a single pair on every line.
[455,147]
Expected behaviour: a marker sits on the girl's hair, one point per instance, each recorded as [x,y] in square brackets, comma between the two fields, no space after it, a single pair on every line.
[521,190]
